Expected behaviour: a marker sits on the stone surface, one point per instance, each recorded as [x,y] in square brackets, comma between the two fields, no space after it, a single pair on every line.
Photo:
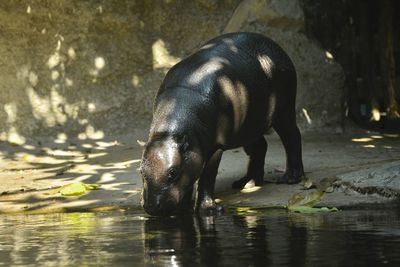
[384,180]
[29,171]
[320,77]
[88,70]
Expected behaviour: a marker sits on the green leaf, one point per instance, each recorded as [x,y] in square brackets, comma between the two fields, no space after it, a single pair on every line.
[75,189]
[301,200]
[305,209]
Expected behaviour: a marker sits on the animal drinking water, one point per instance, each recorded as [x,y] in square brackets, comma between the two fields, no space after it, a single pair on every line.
[225,95]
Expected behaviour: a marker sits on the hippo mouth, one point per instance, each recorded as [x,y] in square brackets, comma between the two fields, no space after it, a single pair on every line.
[166,207]
[168,210]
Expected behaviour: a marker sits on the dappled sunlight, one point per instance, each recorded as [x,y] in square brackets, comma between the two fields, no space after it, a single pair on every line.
[237,94]
[250,189]
[12,135]
[362,140]
[208,68]
[29,171]
[329,55]
[161,56]
[91,107]
[392,135]
[29,147]
[59,106]
[368,146]
[11,110]
[61,138]
[107,177]
[91,133]
[71,53]
[266,64]
[135,80]
[54,60]
[45,102]
[99,63]
[307,116]
[41,107]
[125,164]
[374,141]
[107,144]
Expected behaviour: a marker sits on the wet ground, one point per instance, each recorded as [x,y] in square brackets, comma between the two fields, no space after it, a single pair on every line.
[251,238]
[368,165]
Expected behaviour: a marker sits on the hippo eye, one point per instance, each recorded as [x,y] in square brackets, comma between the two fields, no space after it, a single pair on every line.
[172,174]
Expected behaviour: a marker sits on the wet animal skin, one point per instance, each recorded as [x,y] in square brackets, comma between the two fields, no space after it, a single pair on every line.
[225,95]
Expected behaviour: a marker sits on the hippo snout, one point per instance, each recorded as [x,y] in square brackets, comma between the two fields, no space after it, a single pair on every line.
[158,205]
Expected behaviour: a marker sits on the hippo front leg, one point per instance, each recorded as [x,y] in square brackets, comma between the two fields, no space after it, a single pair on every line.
[205,195]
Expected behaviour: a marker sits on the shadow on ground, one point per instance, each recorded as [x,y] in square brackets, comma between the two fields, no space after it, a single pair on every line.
[28,171]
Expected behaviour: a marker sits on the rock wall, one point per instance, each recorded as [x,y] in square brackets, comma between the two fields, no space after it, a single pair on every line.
[91,68]
[320,77]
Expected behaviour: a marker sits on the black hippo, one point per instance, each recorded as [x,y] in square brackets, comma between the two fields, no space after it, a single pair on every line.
[225,95]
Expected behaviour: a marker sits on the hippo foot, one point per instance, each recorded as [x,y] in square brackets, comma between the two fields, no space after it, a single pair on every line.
[246,183]
[210,208]
[289,178]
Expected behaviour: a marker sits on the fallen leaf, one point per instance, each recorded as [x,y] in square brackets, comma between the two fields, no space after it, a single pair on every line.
[308,200]
[74,189]
[304,203]
[306,182]
[243,209]
[325,185]
[305,209]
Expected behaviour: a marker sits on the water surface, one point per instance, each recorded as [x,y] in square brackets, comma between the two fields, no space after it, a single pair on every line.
[262,238]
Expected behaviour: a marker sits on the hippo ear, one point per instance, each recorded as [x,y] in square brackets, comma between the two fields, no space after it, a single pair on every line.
[184,143]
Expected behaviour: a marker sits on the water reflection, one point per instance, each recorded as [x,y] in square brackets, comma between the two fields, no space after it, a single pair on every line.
[175,240]
[267,238]
[256,238]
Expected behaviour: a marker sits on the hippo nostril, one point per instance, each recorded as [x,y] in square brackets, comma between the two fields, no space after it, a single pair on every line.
[153,207]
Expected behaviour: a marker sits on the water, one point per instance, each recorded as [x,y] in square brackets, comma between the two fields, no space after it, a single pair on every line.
[262,238]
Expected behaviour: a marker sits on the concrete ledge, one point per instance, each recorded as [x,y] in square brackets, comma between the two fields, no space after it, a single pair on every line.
[366,164]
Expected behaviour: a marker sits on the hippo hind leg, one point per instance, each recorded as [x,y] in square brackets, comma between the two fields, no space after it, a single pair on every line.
[255,168]
[290,135]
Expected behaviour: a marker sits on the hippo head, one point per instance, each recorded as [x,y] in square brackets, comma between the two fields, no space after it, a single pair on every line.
[170,166]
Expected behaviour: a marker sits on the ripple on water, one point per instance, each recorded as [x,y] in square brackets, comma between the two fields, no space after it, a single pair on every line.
[269,237]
